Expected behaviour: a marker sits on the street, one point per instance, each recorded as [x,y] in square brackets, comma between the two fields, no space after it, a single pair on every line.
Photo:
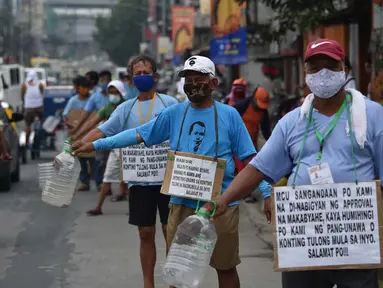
[48,247]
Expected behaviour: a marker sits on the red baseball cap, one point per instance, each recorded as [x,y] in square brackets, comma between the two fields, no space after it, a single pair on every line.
[327,47]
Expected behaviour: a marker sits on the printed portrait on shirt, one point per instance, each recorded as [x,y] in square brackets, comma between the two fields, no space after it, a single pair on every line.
[196,135]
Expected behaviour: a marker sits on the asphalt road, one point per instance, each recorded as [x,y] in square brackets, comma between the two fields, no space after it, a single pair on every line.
[48,247]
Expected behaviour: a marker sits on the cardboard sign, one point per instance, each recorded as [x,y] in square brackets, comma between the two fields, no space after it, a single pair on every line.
[144,164]
[193,176]
[73,118]
[329,226]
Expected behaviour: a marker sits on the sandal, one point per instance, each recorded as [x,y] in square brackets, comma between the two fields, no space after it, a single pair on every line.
[83,188]
[94,212]
[118,198]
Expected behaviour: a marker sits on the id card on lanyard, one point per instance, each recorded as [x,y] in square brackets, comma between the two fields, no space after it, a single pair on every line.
[140,163]
[321,174]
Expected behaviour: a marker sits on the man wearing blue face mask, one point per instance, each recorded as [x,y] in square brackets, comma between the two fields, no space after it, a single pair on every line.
[337,133]
[145,199]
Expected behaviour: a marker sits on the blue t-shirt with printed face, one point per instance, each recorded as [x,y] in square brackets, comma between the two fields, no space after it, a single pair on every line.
[119,120]
[74,103]
[199,136]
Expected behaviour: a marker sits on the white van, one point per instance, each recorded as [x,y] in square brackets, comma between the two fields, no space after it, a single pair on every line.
[11,79]
[41,74]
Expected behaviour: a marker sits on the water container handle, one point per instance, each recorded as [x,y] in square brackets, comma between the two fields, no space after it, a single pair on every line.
[212,201]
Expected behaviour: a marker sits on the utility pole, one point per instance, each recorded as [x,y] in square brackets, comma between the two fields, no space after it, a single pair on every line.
[30,38]
[164,27]
[163,10]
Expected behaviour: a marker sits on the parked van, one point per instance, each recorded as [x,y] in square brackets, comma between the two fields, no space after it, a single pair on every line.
[11,79]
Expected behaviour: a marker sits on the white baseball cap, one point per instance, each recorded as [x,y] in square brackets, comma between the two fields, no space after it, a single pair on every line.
[118,85]
[199,64]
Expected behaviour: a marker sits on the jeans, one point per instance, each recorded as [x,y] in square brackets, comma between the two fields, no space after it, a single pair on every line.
[84,174]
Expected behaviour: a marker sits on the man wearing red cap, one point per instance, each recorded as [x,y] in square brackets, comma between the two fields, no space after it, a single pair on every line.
[337,133]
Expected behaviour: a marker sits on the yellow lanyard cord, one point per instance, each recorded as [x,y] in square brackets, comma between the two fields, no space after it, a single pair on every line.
[149,112]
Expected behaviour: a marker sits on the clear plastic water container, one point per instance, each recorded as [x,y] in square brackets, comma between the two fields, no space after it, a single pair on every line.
[46,171]
[60,188]
[50,124]
[191,250]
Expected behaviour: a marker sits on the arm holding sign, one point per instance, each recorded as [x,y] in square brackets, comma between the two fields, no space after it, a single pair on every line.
[271,164]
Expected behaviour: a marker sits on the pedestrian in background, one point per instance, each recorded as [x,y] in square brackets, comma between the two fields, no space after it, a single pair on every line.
[78,102]
[112,172]
[32,92]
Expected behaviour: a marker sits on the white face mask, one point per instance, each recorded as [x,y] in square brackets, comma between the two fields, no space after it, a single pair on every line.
[325,83]
[114,99]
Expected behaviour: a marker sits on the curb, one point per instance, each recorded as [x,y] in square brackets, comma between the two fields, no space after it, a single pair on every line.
[254,212]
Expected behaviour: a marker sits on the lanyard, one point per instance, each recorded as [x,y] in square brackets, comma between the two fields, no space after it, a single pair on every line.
[216,129]
[149,112]
[333,123]
[309,120]
[131,107]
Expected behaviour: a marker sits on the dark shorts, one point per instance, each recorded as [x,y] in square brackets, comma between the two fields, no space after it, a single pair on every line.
[31,113]
[143,204]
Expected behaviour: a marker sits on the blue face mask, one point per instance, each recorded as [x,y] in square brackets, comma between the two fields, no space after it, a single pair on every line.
[131,92]
[144,83]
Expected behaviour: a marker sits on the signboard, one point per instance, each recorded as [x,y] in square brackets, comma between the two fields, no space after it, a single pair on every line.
[164,44]
[331,226]
[230,33]
[143,164]
[73,117]
[182,28]
[193,176]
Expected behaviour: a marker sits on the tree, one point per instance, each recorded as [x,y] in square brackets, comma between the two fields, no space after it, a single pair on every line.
[120,34]
[298,15]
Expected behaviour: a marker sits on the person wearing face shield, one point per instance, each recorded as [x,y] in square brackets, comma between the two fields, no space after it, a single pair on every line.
[201,126]
[145,198]
[335,129]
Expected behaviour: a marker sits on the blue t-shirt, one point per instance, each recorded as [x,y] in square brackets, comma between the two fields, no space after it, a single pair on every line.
[279,156]
[198,137]
[131,92]
[74,103]
[119,122]
[96,101]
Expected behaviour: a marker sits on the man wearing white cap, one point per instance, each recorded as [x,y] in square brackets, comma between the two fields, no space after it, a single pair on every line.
[203,127]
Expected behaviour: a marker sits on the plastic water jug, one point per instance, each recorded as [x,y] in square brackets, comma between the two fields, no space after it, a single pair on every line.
[60,188]
[191,250]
